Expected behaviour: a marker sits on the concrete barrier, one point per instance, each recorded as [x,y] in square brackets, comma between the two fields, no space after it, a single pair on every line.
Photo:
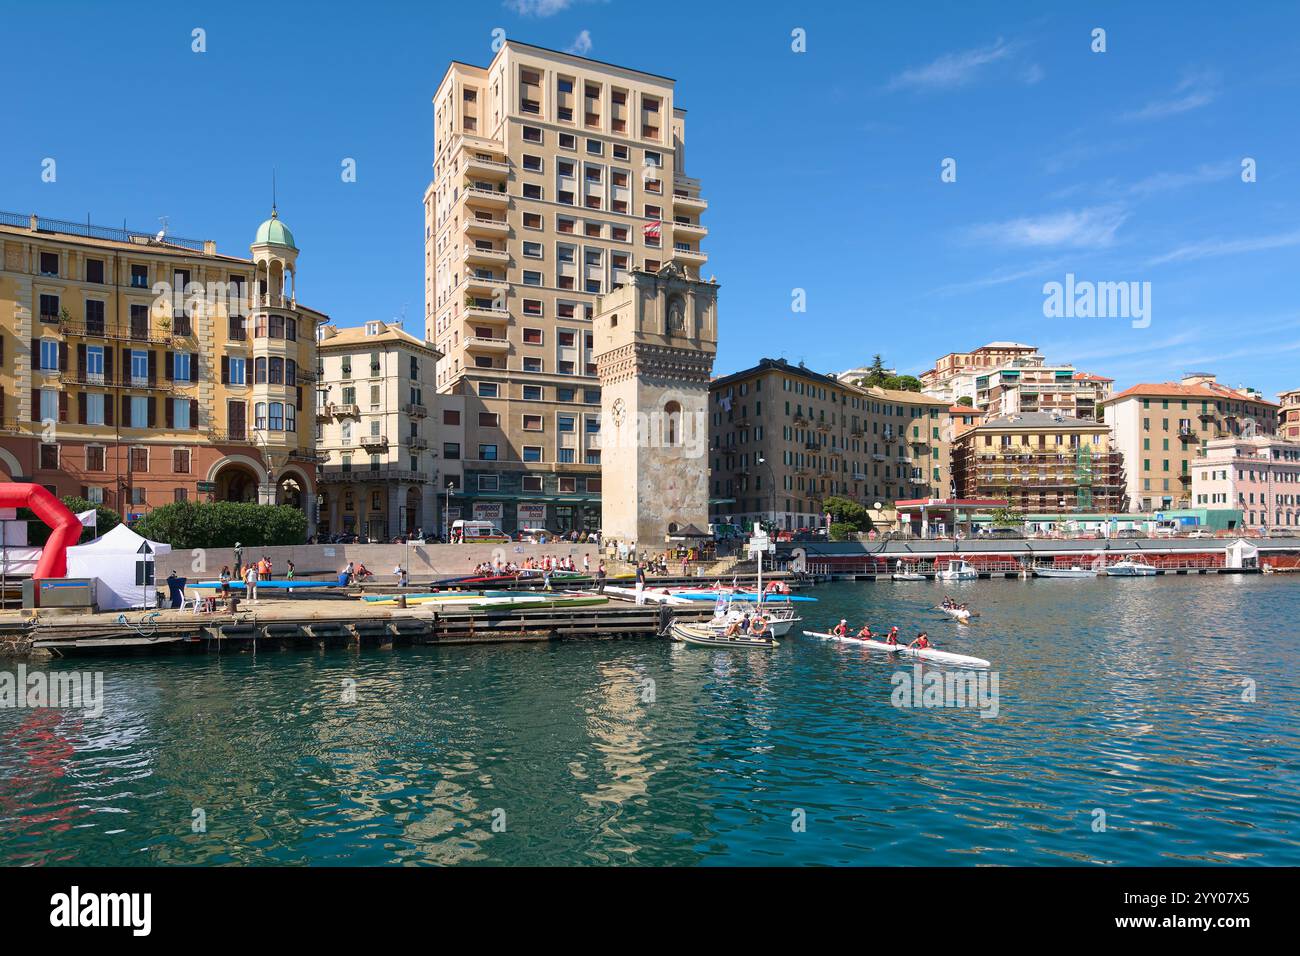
[423,562]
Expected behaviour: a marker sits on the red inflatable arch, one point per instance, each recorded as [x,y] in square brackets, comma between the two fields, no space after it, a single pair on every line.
[64,526]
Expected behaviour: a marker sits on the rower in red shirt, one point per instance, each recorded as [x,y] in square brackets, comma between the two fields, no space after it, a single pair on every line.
[922,641]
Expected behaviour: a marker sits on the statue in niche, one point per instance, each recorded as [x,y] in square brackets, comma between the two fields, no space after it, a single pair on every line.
[676,315]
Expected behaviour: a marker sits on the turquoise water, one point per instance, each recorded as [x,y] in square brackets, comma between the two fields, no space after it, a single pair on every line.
[1119,696]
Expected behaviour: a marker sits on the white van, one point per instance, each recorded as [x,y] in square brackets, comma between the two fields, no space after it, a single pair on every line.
[477,532]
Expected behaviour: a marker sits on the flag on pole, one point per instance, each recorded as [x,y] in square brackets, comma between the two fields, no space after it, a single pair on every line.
[89,519]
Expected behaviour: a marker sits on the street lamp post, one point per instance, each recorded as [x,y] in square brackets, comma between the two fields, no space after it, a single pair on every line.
[771,474]
[446,510]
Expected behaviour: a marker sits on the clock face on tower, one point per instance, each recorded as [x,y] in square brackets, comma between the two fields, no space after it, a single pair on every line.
[620,411]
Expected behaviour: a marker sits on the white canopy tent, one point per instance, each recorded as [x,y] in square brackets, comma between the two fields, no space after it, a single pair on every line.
[123,562]
[1243,554]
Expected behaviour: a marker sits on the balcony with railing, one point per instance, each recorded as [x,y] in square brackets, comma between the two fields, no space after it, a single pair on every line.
[374,442]
[487,168]
[345,410]
[692,202]
[489,198]
[474,226]
[484,255]
[482,343]
[415,442]
[415,410]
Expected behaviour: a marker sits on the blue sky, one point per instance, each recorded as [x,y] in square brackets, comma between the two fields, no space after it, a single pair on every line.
[822,168]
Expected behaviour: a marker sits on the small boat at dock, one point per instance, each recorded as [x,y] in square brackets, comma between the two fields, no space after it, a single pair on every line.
[701,635]
[1133,566]
[957,570]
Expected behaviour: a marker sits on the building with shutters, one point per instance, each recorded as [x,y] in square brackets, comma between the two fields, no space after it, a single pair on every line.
[554,177]
[137,370]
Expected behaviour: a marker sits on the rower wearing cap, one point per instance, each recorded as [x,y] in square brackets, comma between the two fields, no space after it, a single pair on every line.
[892,636]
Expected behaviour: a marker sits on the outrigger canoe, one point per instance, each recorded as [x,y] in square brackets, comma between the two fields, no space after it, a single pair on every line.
[902,650]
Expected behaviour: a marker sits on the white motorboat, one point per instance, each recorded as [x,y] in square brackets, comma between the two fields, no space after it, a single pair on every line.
[907,572]
[1133,566]
[957,570]
[704,636]
[780,618]
[1074,571]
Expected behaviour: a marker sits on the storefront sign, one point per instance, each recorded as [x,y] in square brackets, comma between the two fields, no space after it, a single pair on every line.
[488,511]
[532,516]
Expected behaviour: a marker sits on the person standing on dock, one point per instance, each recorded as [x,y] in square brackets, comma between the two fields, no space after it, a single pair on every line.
[640,583]
[250,582]
[239,559]
[288,570]
[586,564]
[600,578]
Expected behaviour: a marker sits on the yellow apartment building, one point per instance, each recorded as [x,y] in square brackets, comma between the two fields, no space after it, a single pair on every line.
[139,369]
[554,175]
[783,438]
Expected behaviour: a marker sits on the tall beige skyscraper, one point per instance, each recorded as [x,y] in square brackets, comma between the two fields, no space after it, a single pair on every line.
[554,176]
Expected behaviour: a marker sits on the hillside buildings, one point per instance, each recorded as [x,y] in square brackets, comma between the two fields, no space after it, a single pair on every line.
[1162,427]
[1040,463]
[1009,378]
[783,438]
[138,370]
[1289,415]
[554,177]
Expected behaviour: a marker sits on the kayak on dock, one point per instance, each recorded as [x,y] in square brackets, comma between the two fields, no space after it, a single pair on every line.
[287,585]
[902,650]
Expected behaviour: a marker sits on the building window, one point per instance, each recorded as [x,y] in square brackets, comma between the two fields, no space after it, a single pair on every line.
[487,452]
[181,461]
[451,450]
[489,482]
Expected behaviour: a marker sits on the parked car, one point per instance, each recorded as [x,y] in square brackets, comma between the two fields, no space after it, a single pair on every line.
[1200,533]
[1004,533]
[1128,533]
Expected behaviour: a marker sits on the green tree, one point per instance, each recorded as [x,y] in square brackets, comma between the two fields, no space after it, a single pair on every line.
[966,401]
[220,524]
[1006,518]
[841,531]
[880,377]
[848,513]
[38,532]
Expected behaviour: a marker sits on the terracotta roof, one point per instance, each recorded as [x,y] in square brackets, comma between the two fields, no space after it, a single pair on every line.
[964,410]
[1090,377]
[354,335]
[1041,420]
[1178,390]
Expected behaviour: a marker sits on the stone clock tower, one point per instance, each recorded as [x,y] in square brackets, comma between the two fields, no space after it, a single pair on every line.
[655,339]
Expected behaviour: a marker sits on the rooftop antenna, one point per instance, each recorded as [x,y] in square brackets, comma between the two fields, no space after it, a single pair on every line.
[163,231]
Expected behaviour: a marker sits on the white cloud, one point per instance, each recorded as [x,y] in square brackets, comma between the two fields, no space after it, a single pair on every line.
[1210,248]
[1000,277]
[1091,227]
[1192,93]
[952,69]
[1205,173]
[581,44]
[538,8]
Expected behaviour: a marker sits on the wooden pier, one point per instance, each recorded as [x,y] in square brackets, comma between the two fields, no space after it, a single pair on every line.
[275,623]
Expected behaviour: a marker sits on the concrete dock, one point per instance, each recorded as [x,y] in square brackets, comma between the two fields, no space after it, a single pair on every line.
[271,623]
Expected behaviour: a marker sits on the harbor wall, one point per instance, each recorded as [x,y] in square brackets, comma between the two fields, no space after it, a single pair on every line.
[423,562]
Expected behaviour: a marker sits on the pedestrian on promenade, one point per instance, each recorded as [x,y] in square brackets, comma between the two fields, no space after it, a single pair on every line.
[600,578]
[250,582]
[640,583]
[288,570]
[239,559]
[264,569]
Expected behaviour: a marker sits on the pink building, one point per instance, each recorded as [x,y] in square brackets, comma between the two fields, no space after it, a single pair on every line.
[1258,476]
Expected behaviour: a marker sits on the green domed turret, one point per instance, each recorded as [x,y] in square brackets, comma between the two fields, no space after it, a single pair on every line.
[274,233]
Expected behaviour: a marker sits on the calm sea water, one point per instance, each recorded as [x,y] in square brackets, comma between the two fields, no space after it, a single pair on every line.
[1125,697]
